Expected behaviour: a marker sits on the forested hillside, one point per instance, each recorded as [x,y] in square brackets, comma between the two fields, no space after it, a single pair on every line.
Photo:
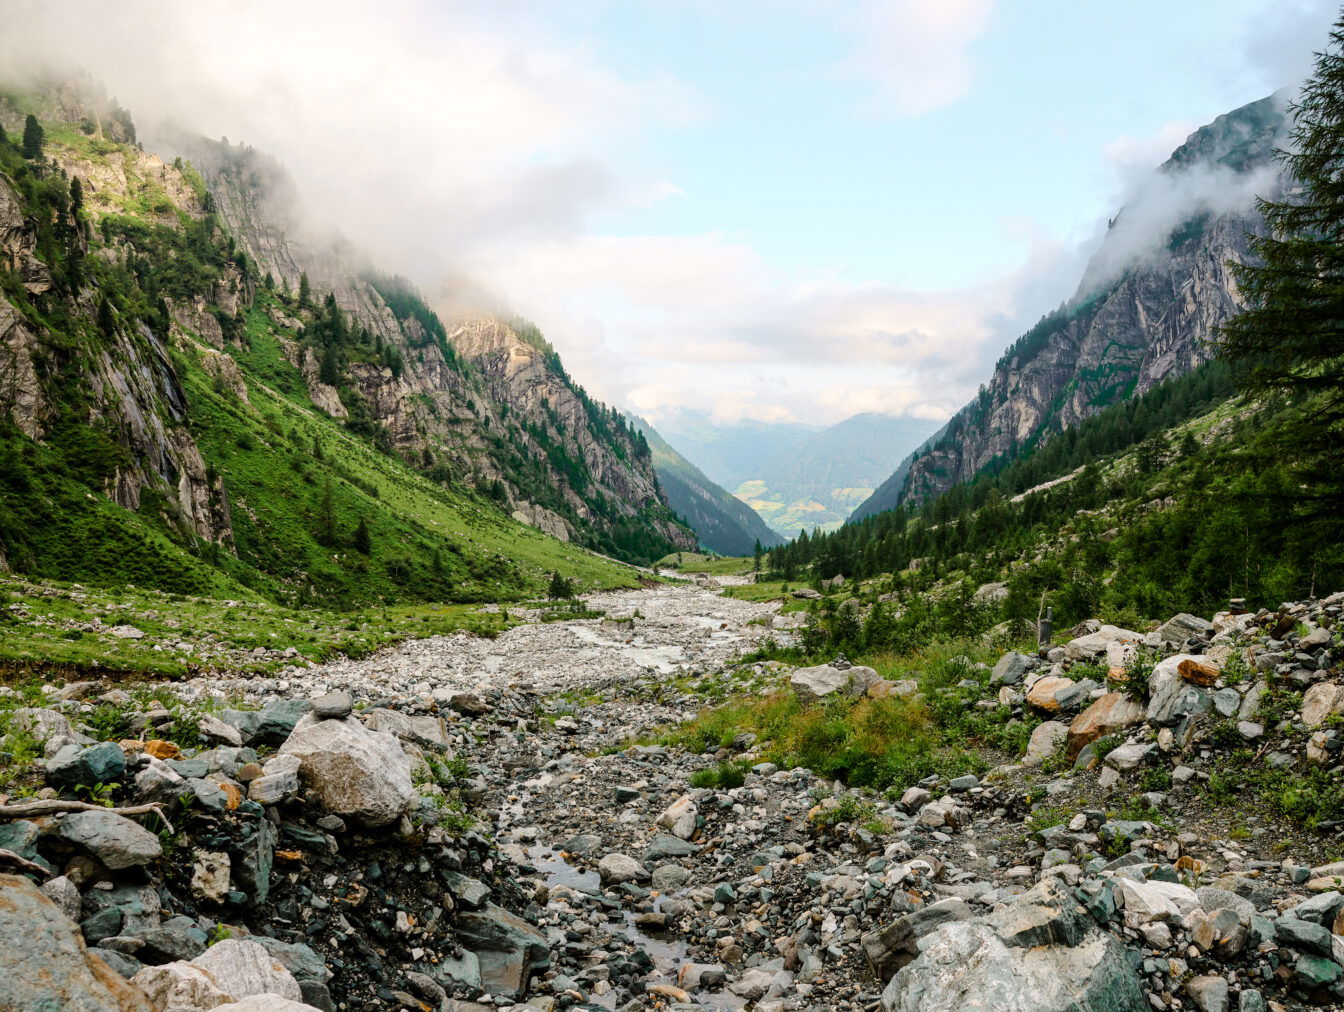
[177,416]
[1147,308]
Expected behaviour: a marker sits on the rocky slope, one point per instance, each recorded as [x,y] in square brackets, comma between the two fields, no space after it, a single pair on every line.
[1122,334]
[1098,872]
[169,397]
[723,523]
[485,399]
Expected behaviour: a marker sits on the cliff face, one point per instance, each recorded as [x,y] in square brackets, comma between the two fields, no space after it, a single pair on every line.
[1123,332]
[108,373]
[723,523]
[476,402]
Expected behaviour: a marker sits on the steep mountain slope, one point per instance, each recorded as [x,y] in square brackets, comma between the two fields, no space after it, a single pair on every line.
[164,417]
[732,452]
[1121,334]
[484,401]
[818,481]
[723,523]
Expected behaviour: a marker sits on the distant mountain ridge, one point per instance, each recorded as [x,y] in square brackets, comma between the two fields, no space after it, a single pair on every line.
[800,476]
[1123,332]
[723,523]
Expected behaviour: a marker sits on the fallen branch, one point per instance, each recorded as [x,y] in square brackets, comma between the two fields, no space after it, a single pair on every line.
[8,857]
[55,806]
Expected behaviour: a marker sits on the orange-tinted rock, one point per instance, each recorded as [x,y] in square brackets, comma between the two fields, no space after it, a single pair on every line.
[1112,712]
[1196,673]
[160,749]
[1042,694]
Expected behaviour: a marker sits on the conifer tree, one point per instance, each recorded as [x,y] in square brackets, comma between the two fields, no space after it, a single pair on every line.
[1290,341]
[305,293]
[33,137]
[361,541]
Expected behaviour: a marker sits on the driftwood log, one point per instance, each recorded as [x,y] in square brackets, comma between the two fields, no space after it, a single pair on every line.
[55,806]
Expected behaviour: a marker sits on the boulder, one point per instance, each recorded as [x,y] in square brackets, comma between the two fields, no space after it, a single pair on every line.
[617,868]
[214,729]
[1094,645]
[508,948]
[1322,700]
[1209,993]
[1112,712]
[277,720]
[41,724]
[1184,627]
[1197,672]
[210,876]
[892,947]
[180,987]
[1170,697]
[1044,740]
[812,684]
[1128,757]
[680,818]
[422,729]
[243,968]
[269,1003]
[113,839]
[1011,668]
[1155,901]
[968,966]
[354,771]
[1045,693]
[1047,914]
[44,963]
[333,706]
[97,764]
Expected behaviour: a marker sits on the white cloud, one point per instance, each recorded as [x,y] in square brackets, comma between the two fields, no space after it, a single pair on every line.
[916,53]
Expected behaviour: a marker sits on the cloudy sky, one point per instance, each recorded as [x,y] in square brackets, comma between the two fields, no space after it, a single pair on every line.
[778,209]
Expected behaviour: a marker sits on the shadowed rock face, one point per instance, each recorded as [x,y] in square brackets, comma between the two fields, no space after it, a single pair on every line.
[458,392]
[1118,336]
[44,963]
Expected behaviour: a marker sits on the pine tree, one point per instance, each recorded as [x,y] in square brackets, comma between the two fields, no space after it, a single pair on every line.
[360,541]
[561,589]
[329,371]
[76,197]
[305,292]
[757,552]
[326,517]
[1290,341]
[33,138]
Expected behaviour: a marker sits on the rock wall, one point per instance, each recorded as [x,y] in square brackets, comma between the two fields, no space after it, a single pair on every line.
[1117,338]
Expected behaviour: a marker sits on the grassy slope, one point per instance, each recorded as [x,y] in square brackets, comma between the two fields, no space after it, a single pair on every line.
[277,458]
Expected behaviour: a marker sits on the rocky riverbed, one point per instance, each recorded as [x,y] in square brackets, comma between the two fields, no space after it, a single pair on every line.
[467,824]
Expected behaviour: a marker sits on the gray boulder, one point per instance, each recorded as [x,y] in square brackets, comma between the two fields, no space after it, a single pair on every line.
[97,764]
[1170,697]
[508,949]
[113,839]
[242,968]
[812,684]
[1011,668]
[890,948]
[353,770]
[333,706]
[277,720]
[966,965]
[44,963]
[1184,627]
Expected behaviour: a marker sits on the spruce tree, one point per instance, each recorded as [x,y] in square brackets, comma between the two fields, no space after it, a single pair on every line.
[1290,341]
[305,293]
[33,137]
[361,541]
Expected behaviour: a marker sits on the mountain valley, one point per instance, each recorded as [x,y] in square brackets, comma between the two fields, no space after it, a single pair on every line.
[355,658]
